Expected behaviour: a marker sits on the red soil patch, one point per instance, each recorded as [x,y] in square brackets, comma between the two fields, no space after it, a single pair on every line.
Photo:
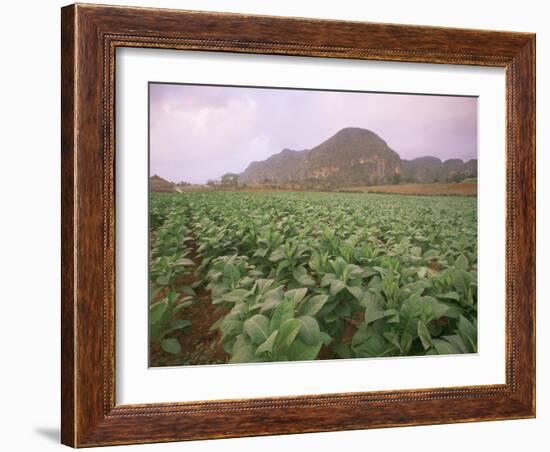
[199,345]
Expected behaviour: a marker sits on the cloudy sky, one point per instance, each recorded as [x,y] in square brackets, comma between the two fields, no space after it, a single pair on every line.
[201,132]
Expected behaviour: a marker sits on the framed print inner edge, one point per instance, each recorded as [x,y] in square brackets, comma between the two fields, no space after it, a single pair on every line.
[138,384]
[90,415]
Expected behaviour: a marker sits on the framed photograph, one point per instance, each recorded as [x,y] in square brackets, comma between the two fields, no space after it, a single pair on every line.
[281,225]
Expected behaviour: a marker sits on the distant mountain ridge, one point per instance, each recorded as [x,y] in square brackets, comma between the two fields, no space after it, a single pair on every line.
[353,156]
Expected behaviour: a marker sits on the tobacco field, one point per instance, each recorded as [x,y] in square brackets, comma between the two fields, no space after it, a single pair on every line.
[238,277]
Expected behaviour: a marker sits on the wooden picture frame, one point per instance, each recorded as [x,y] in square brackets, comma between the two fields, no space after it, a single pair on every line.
[90,35]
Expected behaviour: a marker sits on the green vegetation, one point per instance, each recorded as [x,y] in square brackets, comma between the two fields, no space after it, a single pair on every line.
[303,276]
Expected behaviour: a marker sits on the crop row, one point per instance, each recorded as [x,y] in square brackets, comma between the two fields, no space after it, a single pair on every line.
[304,274]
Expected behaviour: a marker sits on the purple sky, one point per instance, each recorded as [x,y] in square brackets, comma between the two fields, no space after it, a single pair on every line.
[201,132]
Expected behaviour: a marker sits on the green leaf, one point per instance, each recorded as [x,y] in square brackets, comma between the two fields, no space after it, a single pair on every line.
[328,279]
[368,299]
[188,291]
[393,338]
[287,333]
[178,324]
[296,295]
[449,296]
[231,274]
[374,282]
[416,251]
[373,311]
[434,308]
[357,292]
[242,354]
[269,304]
[444,347]
[231,327]
[424,335]
[392,315]
[412,307]
[373,314]
[373,346]
[422,272]
[156,311]
[343,351]
[282,313]
[309,330]
[267,346]
[238,311]
[260,252]
[462,280]
[461,263]
[262,285]
[457,342]
[325,338]
[163,280]
[338,265]
[382,271]
[313,305]
[430,254]
[186,262]
[300,274]
[170,346]
[454,311]
[237,295]
[468,333]
[182,305]
[276,292]
[336,286]
[300,351]
[277,255]
[281,268]
[257,327]
[406,342]
[362,333]
[216,324]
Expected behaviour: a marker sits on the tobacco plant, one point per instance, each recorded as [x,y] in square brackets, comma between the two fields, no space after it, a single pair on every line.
[303,275]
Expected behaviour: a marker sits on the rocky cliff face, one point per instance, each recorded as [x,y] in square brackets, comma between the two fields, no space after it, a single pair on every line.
[353,156]
[431,169]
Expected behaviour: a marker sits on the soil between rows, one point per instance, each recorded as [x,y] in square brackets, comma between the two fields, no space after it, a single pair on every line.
[200,344]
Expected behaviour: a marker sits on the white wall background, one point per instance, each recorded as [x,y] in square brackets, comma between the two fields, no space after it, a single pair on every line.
[29,225]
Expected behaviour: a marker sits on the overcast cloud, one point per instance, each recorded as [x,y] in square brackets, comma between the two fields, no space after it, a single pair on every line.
[201,132]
